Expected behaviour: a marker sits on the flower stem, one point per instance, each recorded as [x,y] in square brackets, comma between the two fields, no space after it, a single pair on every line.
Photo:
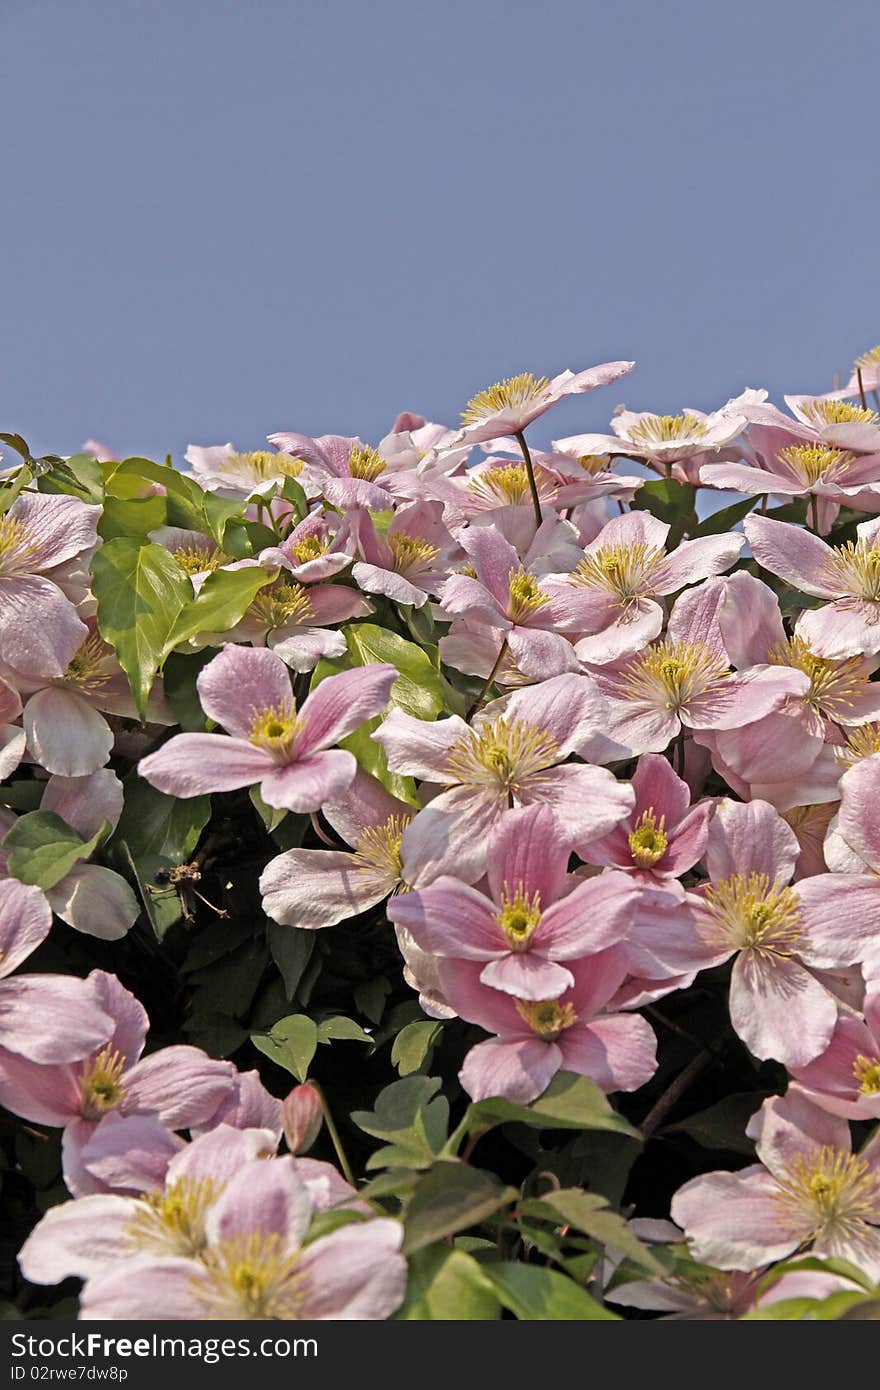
[862,389]
[814,512]
[487,685]
[530,470]
[334,1135]
[674,1092]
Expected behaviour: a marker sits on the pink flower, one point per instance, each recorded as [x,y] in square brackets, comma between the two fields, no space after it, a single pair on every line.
[611,597]
[347,472]
[43,1018]
[845,1078]
[511,405]
[12,737]
[221,469]
[808,1192]
[41,536]
[248,691]
[511,600]
[536,1039]
[506,759]
[663,440]
[317,548]
[848,575]
[317,888]
[410,562]
[663,836]
[824,420]
[535,916]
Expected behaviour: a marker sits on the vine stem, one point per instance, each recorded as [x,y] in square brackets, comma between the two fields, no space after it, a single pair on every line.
[814,511]
[673,1093]
[487,686]
[334,1136]
[862,389]
[530,470]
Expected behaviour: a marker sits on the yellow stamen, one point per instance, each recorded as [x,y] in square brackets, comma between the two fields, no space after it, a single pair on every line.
[510,394]
[281,604]
[812,462]
[250,1277]
[664,429]
[366,463]
[548,1018]
[263,465]
[863,742]
[275,727]
[672,674]
[507,484]
[18,548]
[833,684]
[855,566]
[378,853]
[195,559]
[91,665]
[519,916]
[100,1083]
[752,913]
[502,755]
[648,842]
[838,413]
[173,1222]
[622,570]
[410,552]
[525,594]
[866,1071]
[310,548]
[869,358]
[830,1189]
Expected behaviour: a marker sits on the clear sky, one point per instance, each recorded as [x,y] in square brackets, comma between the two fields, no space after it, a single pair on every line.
[223,218]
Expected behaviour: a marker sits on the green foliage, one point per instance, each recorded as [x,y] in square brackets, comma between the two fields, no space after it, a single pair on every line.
[542,1295]
[43,848]
[450,1198]
[291,1044]
[446,1284]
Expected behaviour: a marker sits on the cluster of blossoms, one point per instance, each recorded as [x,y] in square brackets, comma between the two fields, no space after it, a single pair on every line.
[584,743]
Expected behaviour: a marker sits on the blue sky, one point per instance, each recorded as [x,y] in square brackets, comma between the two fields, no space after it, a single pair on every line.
[224,219]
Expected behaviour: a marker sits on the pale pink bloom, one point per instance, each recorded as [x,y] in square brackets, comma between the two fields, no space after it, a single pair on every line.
[536,1039]
[845,1078]
[102,452]
[302,1113]
[610,598]
[786,743]
[317,548]
[824,420]
[810,825]
[848,575]
[246,1105]
[419,454]
[511,405]
[661,440]
[408,563]
[512,600]
[43,537]
[43,1018]
[316,888]
[685,681]
[290,754]
[197,554]
[534,916]
[663,836]
[780,935]
[515,757]
[12,736]
[222,469]
[346,471]
[253,1264]
[90,898]
[808,1192]
[865,375]
[181,1086]
[421,971]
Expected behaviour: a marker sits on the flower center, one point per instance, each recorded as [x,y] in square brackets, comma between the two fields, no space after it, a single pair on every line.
[366,463]
[195,559]
[830,1189]
[838,413]
[275,727]
[866,1071]
[548,1018]
[672,674]
[833,684]
[519,916]
[90,666]
[525,595]
[869,358]
[510,394]
[173,1221]
[621,570]
[310,548]
[282,603]
[377,852]
[411,552]
[262,465]
[751,912]
[502,755]
[812,462]
[250,1277]
[18,547]
[863,742]
[856,566]
[100,1083]
[662,429]
[507,484]
[648,842]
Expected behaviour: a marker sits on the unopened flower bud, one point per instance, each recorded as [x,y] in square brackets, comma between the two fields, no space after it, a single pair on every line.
[302,1116]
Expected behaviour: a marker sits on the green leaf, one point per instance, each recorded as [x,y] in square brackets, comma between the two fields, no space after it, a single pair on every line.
[133,517]
[723,1125]
[413,1045]
[451,1198]
[141,592]
[221,602]
[79,476]
[292,491]
[187,504]
[725,519]
[44,848]
[18,443]
[533,1294]
[179,675]
[291,949]
[411,1118]
[570,1102]
[370,996]
[589,1212]
[446,1285]
[152,823]
[291,1044]
[9,492]
[670,501]
[340,1029]
[163,907]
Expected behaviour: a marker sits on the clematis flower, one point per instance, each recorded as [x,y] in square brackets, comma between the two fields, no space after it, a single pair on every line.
[662,440]
[344,470]
[610,597]
[865,374]
[316,888]
[820,420]
[197,554]
[43,1018]
[663,836]
[504,760]
[510,406]
[42,537]
[848,575]
[181,1086]
[253,1264]
[537,1038]
[685,681]
[90,898]
[221,469]
[247,1105]
[845,1078]
[808,1192]
[535,916]
[12,736]
[512,600]
[410,562]
[318,547]
[289,755]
